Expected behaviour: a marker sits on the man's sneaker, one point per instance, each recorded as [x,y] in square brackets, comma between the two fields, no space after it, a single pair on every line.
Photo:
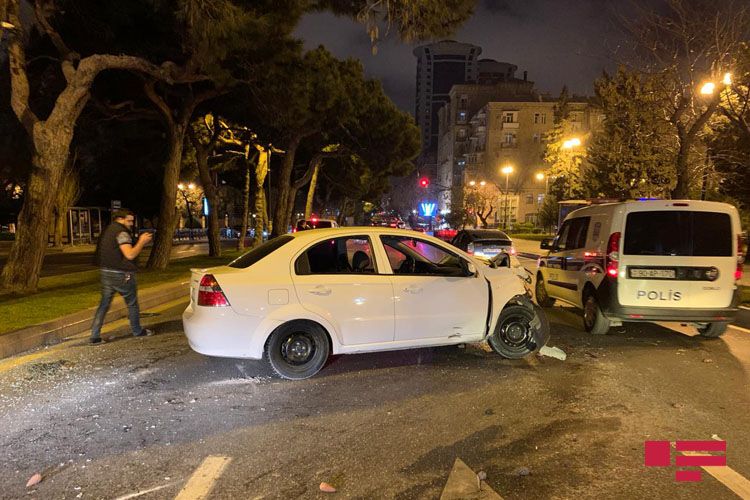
[145,333]
[97,341]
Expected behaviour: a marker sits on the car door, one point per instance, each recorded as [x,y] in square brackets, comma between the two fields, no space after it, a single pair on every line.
[555,263]
[434,298]
[338,279]
[574,260]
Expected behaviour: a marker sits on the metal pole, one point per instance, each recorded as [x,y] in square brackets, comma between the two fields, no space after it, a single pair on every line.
[507,177]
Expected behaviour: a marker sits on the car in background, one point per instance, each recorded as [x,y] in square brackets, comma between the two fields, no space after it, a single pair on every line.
[301,297]
[388,221]
[483,242]
[314,223]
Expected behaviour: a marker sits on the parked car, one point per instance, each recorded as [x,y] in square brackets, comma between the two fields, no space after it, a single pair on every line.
[483,242]
[314,223]
[300,297]
[670,260]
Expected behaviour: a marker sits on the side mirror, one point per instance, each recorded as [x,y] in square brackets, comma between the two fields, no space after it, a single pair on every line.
[502,259]
[469,268]
[546,244]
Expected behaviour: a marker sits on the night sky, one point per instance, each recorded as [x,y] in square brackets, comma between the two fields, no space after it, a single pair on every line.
[557,41]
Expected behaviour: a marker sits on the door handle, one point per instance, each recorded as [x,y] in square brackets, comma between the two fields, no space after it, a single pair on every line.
[320,290]
[413,289]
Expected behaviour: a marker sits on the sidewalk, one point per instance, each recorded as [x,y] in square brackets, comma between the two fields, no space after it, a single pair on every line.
[55,331]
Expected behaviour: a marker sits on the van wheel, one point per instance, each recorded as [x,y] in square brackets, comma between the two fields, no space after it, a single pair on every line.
[514,334]
[713,330]
[540,292]
[297,350]
[594,321]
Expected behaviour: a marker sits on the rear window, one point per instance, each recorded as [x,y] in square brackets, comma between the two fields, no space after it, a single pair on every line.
[257,253]
[678,233]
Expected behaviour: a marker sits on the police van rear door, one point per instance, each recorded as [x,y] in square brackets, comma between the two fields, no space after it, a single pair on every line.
[678,254]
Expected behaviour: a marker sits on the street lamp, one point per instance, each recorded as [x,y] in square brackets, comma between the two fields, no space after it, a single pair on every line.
[540,176]
[708,88]
[472,183]
[482,183]
[507,170]
[572,143]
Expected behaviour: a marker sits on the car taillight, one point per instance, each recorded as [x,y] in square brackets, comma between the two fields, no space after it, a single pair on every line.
[611,262]
[470,248]
[210,293]
[513,251]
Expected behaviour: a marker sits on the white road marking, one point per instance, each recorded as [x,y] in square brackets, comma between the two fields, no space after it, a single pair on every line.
[146,492]
[745,308]
[202,481]
[726,476]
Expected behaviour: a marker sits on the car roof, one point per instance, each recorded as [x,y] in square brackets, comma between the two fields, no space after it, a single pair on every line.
[334,232]
[485,233]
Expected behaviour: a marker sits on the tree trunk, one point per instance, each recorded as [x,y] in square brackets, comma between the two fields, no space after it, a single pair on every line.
[260,209]
[162,249]
[311,192]
[21,271]
[281,216]
[682,188]
[245,208]
[210,190]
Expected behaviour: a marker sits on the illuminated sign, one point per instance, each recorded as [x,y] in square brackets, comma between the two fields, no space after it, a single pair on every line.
[427,209]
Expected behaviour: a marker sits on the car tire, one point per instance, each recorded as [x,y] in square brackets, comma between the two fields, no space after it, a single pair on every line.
[514,337]
[713,330]
[297,350]
[594,321]
[540,293]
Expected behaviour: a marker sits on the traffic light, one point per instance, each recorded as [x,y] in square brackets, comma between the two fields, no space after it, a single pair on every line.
[424,182]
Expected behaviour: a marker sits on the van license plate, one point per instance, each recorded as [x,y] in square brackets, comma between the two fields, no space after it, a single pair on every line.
[653,273]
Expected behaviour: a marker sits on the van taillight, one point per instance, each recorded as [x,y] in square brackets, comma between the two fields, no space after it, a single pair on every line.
[470,248]
[210,293]
[613,255]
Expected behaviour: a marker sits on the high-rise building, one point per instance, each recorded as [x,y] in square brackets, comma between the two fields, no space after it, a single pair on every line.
[440,65]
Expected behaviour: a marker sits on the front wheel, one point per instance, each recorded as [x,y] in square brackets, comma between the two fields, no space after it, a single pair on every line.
[520,331]
[594,321]
[713,330]
[297,350]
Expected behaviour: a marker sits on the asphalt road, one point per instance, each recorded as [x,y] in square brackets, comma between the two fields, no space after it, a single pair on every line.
[149,418]
[72,262]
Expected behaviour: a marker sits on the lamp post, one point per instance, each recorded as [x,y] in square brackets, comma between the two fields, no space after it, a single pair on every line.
[507,170]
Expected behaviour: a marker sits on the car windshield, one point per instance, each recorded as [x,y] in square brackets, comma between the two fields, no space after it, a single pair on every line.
[256,254]
[678,233]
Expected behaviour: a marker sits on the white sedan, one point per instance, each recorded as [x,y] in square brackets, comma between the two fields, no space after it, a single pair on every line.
[298,298]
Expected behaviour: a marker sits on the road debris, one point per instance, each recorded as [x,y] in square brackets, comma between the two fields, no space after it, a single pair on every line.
[327,488]
[708,360]
[553,352]
[522,471]
[34,480]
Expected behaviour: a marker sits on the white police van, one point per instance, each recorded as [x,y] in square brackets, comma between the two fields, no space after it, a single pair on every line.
[668,260]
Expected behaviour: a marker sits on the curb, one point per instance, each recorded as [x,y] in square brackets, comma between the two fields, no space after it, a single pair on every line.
[57,330]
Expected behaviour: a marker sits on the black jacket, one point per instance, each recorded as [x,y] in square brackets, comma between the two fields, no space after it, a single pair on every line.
[108,253]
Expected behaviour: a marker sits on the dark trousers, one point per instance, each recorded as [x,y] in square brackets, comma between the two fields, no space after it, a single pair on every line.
[124,284]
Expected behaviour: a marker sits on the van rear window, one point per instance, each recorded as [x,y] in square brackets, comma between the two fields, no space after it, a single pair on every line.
[257,253]
[678,233]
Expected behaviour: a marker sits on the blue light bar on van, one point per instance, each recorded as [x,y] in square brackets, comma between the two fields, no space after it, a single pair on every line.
[648,199]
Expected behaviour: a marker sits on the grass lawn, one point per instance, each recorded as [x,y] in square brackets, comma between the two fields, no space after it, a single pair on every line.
[70,293]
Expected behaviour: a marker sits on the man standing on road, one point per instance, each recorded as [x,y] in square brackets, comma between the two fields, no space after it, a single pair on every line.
[115,255]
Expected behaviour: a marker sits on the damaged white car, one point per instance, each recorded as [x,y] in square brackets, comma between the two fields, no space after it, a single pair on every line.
[299,298]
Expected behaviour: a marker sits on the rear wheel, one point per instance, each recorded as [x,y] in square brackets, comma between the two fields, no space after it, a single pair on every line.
[594,321]
[297,350]
[540,292]
[514,333]
[713,330]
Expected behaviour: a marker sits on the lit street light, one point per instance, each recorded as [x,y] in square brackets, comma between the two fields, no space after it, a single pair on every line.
[181,187]
[727,79]
[482,183]
[708,88]
[572,143]
[507,170]
[541,177]
[472,183]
